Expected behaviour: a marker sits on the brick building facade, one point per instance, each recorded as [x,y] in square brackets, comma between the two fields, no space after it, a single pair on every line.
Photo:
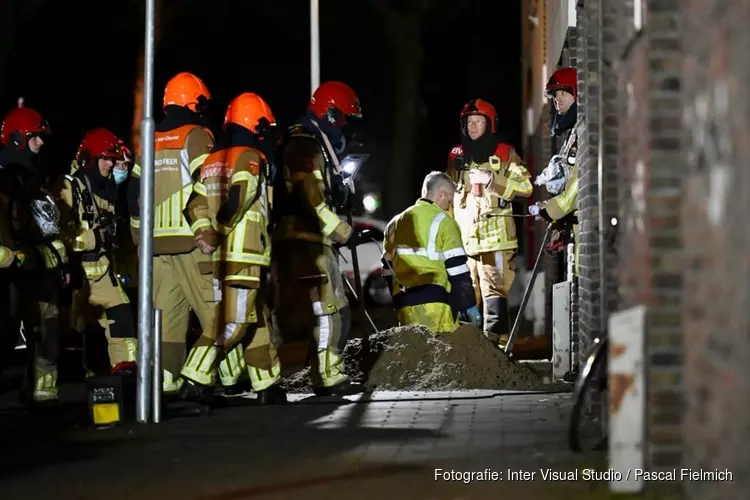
[662,122]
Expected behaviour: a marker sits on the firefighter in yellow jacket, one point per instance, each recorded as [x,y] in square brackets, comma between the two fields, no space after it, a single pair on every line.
[311,295]
[489,175]
[33,233]
[182,273]
[229,213]
[561,175]
[87,198]
[425,263]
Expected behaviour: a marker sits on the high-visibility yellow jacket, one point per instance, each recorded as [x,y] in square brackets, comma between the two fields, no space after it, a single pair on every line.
[77,217]
[306,213]
[177,155]
[230,206]
[423,247]
[486,220]
[566,202]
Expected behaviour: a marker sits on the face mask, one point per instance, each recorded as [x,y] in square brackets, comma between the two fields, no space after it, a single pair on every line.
[120,175]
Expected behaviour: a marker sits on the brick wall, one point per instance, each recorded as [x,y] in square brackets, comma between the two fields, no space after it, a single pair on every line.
[589,78]
[650,189]
[716,310]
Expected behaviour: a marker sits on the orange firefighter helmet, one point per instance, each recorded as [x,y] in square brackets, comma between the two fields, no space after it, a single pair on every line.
[19,125]
[186,89]
[99,143]
[250,111]
[482,108]
[563,79]
[335,101]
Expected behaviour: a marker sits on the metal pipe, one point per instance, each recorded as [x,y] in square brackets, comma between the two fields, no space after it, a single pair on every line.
[366,314]
[527,293]
[157,374]
[314,45]
[361,313]
[602,186]
[146,233]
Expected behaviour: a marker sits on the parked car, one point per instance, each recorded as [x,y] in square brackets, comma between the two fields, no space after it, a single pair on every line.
[369,254]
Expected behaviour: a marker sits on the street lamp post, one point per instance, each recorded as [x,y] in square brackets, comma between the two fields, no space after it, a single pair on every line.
[146,232]
[314,45]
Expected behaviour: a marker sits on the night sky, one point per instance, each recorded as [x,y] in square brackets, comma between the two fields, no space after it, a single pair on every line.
[76,63]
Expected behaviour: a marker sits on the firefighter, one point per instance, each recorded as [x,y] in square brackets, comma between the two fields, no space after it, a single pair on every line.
[41,273]
[425,263]
[489,175]
[87,198]
[182,273]
[229,212]
[311,295]
[561,175]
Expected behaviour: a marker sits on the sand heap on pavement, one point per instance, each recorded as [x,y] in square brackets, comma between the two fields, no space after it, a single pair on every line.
[412,358]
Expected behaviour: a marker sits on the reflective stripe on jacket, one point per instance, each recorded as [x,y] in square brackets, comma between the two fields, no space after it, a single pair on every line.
[419,244]
[231,201]
[77,219]
[307,214]
[177,155]
[486,220]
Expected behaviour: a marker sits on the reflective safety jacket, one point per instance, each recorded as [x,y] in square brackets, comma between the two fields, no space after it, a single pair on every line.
[17,231]
[566,202]
[486,220]
[423,247]
[305,208]
[77,217]
[230,205]
[177,155]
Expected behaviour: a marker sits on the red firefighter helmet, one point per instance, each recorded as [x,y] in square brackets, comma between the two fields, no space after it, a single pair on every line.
[250,111]
[334,101]
[127,155]
[99,143]
[186,89]
[19,125]
[563,79]
[482,108]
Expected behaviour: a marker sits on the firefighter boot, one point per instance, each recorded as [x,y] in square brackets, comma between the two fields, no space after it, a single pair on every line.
[199,394]
[496,321]
[273,395]
[345,388]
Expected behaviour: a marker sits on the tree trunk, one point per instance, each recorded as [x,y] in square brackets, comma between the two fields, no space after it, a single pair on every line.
[401,175]
[135,134]
[404,28]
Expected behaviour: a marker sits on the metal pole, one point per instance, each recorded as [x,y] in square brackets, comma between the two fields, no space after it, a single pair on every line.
[600,172]
[527,293]
[157,374]
[146,233]
[361,313]
[314,46]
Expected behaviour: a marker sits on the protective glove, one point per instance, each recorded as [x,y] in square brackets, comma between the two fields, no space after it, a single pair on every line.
[534,210]
[474,316]
[480,176]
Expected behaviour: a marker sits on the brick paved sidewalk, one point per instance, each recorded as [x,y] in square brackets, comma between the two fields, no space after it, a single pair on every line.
[387,445]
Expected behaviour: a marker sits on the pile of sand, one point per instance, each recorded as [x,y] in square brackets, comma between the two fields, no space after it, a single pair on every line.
[415,359]
[412,358]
